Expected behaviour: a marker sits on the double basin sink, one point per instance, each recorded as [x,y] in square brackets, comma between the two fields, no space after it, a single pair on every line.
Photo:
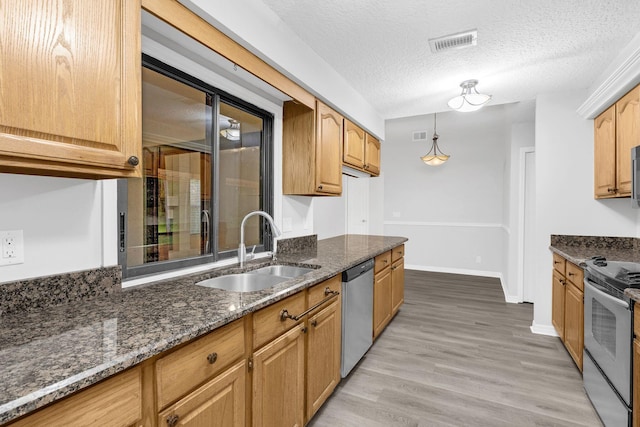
[255,280]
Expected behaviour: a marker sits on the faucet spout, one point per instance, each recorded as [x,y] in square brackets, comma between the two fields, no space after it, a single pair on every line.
[242,251]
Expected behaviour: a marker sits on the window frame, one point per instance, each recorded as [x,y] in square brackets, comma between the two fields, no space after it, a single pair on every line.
[212,134]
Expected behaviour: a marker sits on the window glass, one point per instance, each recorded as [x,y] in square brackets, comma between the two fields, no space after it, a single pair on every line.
[169,208]
[241,136]
[206,163]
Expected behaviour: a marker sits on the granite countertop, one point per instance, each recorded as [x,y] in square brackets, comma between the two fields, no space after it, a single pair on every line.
[50,353]
[578,249]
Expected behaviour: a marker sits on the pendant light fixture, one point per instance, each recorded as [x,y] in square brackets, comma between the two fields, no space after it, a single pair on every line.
[435,156]
[469,99]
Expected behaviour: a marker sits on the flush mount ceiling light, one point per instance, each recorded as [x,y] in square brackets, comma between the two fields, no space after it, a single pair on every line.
[469,99]
[435,156]
[231,130]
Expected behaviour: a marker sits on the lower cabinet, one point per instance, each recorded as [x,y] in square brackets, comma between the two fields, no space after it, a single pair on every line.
[388,287]
[567,313]
[115,402]
[218,403]
[323,356]
[278,381]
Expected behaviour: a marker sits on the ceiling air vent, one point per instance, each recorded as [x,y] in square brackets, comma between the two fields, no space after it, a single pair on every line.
[420,135]
[454,41]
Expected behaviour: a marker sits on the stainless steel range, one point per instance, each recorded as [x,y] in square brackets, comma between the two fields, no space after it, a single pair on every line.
[608,338]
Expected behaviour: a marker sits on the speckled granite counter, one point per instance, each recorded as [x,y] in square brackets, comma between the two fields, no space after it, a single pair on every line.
[50,353]
[577,249]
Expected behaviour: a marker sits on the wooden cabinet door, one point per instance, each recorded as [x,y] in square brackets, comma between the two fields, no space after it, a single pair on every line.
[381,301]
[278,381]
[627,137]
[372,155]
[604,130]
[329,139]
[557,311]
[574,323]
[354,140]
[397,285]
[218,403]
[70,85]
[323,356]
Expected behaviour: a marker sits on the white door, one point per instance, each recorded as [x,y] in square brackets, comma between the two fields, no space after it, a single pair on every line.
[357,205]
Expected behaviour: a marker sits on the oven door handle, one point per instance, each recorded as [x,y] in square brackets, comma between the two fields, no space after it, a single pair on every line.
[595,288]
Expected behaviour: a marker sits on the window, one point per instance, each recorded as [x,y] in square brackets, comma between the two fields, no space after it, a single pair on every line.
[207,162]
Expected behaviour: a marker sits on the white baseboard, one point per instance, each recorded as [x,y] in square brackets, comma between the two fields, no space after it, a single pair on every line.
[508,298]
[543,329]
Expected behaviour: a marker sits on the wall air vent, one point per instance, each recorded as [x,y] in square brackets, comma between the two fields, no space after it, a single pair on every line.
[454,41]
[420,135]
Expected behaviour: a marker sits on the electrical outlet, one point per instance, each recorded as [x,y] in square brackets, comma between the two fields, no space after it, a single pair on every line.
[11,247]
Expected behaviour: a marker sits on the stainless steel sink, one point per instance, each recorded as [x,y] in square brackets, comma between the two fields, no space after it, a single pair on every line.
[288,271]
[243,282]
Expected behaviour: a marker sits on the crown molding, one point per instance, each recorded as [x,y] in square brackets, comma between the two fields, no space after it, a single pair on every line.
[619,78]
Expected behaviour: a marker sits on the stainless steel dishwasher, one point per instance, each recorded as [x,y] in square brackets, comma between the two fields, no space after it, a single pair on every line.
[357,314]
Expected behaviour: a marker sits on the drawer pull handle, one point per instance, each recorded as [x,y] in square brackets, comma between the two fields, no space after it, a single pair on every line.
[556,262]
[172,420]
[284,314]
[328,291]
[212,358]
[571,274]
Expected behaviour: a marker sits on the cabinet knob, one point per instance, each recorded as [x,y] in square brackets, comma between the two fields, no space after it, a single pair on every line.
[212,358]
[319,187]
[304,329]
[314,323]
[172,420]
[366,166]
[612,190]
[133,161]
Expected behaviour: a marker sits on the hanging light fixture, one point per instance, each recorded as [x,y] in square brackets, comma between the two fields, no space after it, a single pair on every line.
[231,130]
[469,99]
[435,156]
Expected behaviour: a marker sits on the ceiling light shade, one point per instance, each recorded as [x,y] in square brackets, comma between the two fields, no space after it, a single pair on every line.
[435,156]
[469,99]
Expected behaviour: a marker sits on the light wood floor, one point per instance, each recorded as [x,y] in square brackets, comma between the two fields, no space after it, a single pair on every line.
[458,355]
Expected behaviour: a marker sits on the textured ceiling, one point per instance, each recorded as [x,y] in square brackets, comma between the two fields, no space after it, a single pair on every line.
[525,47]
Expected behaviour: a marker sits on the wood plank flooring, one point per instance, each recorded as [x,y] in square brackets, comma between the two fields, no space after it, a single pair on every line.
[457,355]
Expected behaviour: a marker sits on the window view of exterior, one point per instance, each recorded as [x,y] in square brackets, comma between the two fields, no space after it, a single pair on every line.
[201,176]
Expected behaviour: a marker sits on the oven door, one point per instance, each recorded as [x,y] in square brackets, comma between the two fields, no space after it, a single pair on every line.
[607,336]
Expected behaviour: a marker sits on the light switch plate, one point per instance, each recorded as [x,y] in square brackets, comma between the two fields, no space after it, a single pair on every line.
[11,247]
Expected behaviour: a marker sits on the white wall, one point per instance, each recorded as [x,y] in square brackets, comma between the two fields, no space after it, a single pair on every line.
[452,214]
[62,223]
[564,190]
[252,24]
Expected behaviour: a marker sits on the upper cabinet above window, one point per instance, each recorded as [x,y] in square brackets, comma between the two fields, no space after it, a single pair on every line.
[70,86]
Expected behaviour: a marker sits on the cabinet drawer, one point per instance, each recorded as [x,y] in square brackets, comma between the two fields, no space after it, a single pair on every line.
[115,402]
[559,263]
[184,369]
[397,253]
[382,261]
[317,294]
[575,275]
[267,323]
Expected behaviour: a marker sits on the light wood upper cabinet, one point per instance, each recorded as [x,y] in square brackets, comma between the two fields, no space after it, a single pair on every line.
[372,155]
[328,150]
[70,85]
[354,145]
[604,130]
[312,150]
[616,132]
[627,137]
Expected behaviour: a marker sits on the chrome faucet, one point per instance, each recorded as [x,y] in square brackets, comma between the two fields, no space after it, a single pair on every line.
[275,232]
